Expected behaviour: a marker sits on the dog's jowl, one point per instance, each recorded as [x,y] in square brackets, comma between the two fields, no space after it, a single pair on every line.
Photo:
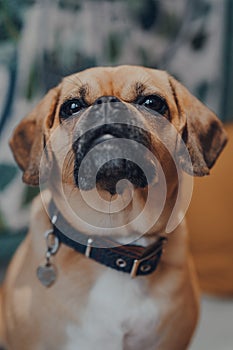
[106,264]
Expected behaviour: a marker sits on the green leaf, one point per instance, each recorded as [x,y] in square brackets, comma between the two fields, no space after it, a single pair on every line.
[9,241]
[29,194]
[2,222]
[114,46]
[7,174]
[202,90]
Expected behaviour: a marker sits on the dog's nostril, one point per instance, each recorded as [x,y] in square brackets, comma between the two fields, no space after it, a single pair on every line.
[106,99]
[114,99]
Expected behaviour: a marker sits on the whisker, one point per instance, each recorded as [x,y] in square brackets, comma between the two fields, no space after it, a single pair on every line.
[68,165]
[109,212]
[73,188]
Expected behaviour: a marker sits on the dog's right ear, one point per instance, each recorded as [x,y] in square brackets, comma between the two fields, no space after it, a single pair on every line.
[30,136]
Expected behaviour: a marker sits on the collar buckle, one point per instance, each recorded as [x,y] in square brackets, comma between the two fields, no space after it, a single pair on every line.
[146,267]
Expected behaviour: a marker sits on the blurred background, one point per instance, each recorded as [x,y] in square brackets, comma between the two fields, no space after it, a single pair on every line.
[41,41]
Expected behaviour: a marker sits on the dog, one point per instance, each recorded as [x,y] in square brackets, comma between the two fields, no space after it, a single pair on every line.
[107,142]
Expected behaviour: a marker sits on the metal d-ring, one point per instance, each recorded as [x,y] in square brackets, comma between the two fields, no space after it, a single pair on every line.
[52,247]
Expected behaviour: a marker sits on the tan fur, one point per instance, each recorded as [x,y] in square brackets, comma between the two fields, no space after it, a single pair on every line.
[210,224]
[37,318]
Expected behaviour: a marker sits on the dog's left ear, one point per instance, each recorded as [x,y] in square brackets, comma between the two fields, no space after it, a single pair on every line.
[202,132]
[30,137]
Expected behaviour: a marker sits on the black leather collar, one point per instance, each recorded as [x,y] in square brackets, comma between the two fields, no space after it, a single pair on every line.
[130,258]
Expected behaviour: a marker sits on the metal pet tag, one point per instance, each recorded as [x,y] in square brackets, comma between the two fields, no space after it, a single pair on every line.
[47,274]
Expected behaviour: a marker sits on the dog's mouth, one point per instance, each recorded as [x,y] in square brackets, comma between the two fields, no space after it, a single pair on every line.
[102,138]
[110,153]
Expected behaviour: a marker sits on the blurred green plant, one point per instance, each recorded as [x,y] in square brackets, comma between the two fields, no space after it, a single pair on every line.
[146,12]
[74,5]
[34,84]
[169,26]
[202,8]
[10,21]
[114,46]
[9,241]
[2,222]
[199,39]
[202,90]
[7,175]
[29,194]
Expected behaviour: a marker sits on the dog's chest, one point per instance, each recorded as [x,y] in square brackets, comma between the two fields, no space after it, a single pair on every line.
[119,315]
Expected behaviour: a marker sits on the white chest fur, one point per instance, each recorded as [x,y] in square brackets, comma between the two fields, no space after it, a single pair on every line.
[119,315]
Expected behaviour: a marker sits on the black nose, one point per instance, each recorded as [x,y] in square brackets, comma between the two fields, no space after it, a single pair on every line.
[106,99]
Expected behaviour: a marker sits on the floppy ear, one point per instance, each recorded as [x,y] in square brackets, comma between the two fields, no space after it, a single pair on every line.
[202,132]
[29,139]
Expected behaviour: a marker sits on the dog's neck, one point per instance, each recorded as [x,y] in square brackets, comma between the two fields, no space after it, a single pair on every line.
[143,240]
[114,216]
[148,240]
[132,258]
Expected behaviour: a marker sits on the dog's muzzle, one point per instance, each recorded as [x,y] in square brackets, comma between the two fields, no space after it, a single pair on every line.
[112,151]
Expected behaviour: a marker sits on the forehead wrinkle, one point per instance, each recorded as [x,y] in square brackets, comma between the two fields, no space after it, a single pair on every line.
[139,89]
[72,86]
[83,91]
[134,86]
[99,86]
[73,80]
[154,84]
[79,92]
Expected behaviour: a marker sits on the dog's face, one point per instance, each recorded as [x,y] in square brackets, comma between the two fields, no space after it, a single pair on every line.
[111,122]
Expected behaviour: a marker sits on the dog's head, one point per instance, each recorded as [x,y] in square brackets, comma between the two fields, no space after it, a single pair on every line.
[97,111]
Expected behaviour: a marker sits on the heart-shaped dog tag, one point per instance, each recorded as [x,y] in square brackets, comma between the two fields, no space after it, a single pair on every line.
[47,274]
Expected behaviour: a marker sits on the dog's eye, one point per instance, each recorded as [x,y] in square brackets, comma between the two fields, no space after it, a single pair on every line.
[70,108]
[154,102]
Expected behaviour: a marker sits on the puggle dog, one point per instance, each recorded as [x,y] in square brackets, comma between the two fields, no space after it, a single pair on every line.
[98,268]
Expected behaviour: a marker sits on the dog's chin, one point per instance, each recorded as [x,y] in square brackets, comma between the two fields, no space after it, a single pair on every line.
[109,176]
